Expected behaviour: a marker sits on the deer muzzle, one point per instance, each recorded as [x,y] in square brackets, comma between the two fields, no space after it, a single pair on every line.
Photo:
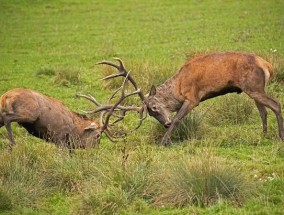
[167,124]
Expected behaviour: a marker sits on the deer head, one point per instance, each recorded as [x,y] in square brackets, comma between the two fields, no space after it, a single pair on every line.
[157,108]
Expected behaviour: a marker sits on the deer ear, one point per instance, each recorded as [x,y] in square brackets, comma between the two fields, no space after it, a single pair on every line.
[153,91]
[92,126]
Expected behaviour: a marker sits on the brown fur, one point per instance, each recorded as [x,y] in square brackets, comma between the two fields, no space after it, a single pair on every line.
[47,118]
[212,75]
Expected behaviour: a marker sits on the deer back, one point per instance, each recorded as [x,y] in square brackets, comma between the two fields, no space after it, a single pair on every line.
[216,74]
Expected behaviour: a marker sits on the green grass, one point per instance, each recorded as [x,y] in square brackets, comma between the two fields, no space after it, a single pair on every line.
[52,46]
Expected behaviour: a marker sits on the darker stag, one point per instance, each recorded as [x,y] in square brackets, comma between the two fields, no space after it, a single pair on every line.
[47,118]
[206,77]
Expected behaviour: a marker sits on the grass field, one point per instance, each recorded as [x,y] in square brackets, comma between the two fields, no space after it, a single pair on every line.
[219,162]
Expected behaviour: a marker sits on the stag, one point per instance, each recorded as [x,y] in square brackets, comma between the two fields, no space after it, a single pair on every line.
[48,119]
[205,77]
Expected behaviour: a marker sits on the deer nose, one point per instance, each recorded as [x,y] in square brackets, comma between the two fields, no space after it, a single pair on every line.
[167,124]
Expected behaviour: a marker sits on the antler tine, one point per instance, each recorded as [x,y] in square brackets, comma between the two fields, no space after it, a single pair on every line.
[116,105]
[99,109]
[112,76]
[106,107]
[108,63]
[120,117]
[120,68]
[141,111]
[110,112]
[141,117]
[121,64]
[123,111]
[122,72]
[113,95]
[105,130]
[90,98]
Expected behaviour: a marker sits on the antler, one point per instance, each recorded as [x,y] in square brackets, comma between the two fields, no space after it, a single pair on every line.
[122,72]
[110,110]
[117,105]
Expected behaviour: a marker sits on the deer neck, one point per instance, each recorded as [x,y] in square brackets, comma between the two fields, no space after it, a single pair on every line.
[166,93]
[80,121]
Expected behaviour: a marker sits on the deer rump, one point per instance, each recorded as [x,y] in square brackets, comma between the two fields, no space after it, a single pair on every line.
[46,118]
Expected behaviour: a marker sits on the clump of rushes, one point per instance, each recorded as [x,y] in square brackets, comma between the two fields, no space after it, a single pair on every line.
[20,173]
[67,77]
[5,202]
[45,72]
[62,76]
[201,180]
[155,133]
[191,126]
[117,183]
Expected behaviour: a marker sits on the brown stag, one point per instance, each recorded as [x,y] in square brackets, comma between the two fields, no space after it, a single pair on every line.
[206,77]
[48,118]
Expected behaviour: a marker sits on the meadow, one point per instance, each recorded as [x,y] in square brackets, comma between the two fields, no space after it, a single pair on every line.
[219,161]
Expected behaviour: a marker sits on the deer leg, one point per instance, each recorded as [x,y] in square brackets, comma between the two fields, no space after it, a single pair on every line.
[273,105]
[1,121]
[185,108]
[263,115]
[7,124]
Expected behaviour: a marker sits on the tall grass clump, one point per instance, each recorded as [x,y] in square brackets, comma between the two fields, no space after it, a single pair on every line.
[66,77]
[45,72]
[64,173]
[20,174]
[61,76]
[5,201]
[201,180]
[32,172]
[231,109]
[155,133]
[110,200]
[118,181]
[190,127]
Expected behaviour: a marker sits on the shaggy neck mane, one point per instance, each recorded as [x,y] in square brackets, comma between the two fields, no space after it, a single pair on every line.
[165,93]
[83,116]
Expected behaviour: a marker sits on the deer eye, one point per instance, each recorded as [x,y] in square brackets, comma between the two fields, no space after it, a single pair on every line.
[154,108]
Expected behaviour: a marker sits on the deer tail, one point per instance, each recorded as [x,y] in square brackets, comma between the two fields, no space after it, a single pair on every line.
[266,67]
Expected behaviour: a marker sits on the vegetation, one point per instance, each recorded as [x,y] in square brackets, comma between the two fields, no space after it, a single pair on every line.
[219,161]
